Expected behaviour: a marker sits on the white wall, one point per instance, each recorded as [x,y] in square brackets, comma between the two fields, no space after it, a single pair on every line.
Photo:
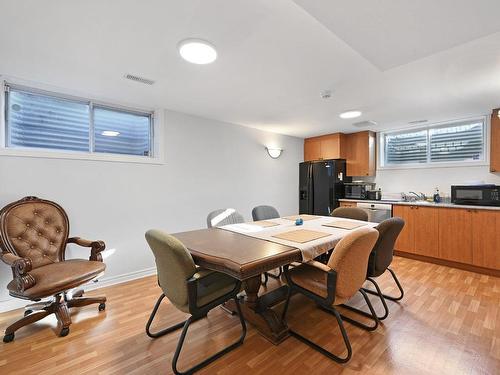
[427,179]
[209,165]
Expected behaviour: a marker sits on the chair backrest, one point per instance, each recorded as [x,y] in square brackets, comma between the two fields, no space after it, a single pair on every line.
[264,213]
[350,260]
[382,253]
[34,228]
[174,265]
[224,216]
[350,213]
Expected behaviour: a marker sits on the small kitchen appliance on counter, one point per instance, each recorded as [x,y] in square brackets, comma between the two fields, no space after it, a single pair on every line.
[358,189]
[374,195]
[479,195]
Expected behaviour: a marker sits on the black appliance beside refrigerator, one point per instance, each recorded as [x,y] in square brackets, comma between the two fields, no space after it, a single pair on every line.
[321,185]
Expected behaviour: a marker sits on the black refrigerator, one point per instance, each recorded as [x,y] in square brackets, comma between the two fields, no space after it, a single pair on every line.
[321,185]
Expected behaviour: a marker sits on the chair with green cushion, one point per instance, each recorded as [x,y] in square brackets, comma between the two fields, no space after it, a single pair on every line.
[190,289]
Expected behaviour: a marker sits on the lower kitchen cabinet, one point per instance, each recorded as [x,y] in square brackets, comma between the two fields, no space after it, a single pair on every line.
[467,236]
[486,239]
[455,234]
[420,233]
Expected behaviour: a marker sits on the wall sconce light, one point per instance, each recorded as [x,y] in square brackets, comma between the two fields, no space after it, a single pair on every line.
[274,152]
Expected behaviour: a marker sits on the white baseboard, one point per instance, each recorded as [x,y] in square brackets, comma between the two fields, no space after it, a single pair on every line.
[15,303]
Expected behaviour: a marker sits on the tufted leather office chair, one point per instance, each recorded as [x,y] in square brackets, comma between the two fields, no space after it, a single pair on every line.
[33,238]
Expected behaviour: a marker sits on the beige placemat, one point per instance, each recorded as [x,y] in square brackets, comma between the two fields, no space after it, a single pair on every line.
[343,224]
[304,217]
[263,223]
[301,235]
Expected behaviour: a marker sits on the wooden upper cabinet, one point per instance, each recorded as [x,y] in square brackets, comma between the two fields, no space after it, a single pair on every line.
[455,234]
[486,239]
[312,149]
[324,147]
[406,239]
[357,148]
[495,142]
[360,153]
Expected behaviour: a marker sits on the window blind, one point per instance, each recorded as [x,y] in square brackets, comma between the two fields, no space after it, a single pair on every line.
[130,132]
[40,121]
[459,142]
[406,148]
[36,119]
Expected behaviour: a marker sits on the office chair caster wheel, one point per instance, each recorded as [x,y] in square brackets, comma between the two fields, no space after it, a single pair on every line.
[102,306]
[8,338]
[64,332]
[27,312]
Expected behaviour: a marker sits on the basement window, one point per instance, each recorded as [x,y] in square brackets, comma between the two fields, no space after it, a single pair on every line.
[436,145]
[42,120]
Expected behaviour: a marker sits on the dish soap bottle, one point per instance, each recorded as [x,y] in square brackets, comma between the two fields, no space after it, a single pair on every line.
[437,197]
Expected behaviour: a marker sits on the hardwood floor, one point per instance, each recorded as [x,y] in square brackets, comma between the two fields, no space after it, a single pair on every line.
[448,323]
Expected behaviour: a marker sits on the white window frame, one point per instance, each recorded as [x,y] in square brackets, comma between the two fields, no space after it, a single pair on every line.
[441,164]
[156,128]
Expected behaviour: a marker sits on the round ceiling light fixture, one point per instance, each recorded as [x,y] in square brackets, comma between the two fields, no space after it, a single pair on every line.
[197,51]
[350,114]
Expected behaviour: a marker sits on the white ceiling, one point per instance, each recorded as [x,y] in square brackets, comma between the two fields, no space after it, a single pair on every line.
[434,60]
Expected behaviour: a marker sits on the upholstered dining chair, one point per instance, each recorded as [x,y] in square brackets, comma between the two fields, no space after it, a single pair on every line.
[350,213]
[335,283]
[33,239]
[381,259]
[224,216]
[191,290]
[265,213]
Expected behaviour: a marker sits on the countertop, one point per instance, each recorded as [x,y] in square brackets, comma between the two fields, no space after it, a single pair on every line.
[424,204]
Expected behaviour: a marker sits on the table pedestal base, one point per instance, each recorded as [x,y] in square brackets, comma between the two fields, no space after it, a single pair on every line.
[258,310]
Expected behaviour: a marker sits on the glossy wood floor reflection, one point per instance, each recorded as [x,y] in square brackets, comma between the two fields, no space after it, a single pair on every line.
[448,323]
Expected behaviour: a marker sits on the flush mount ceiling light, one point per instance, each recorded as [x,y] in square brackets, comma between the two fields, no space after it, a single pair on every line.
[274,152]
[197,51]
[350,114]
[110,133]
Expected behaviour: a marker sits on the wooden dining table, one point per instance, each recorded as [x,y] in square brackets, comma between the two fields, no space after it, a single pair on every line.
[246,258]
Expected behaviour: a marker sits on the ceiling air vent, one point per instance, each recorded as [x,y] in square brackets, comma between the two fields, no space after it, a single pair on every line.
[364,124]
[139,79]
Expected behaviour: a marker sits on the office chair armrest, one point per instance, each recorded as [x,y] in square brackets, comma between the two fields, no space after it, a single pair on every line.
[96,247]
[331,281]
[20,268]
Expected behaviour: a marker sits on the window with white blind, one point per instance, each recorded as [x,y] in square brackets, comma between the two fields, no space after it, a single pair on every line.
[454,142]
[37,119]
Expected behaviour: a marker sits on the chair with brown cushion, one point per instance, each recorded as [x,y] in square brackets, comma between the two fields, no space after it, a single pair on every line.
[335,283]
[33,239]
[350,213]
[190,289]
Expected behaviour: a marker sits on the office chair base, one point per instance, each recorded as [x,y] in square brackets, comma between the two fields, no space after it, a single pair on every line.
[185,326]
[398,284]
[213,357]
[59,306]
[315,346]
[382,299]
[372,316]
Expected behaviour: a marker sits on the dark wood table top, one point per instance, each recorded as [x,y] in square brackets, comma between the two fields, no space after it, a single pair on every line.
[238,255]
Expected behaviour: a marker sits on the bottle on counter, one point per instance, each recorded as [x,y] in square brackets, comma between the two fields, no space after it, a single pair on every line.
[437,197]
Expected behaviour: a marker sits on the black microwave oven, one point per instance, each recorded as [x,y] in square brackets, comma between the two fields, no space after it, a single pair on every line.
[358,190]
[480,195]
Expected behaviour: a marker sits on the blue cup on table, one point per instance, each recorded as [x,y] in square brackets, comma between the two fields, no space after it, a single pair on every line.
[299,221]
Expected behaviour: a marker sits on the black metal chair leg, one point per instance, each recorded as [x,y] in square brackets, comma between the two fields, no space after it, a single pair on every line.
[320,348]
[382,299]
[266,278]
[392,298]
[212,358]
[163,332]
[373,315]
[269,274]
